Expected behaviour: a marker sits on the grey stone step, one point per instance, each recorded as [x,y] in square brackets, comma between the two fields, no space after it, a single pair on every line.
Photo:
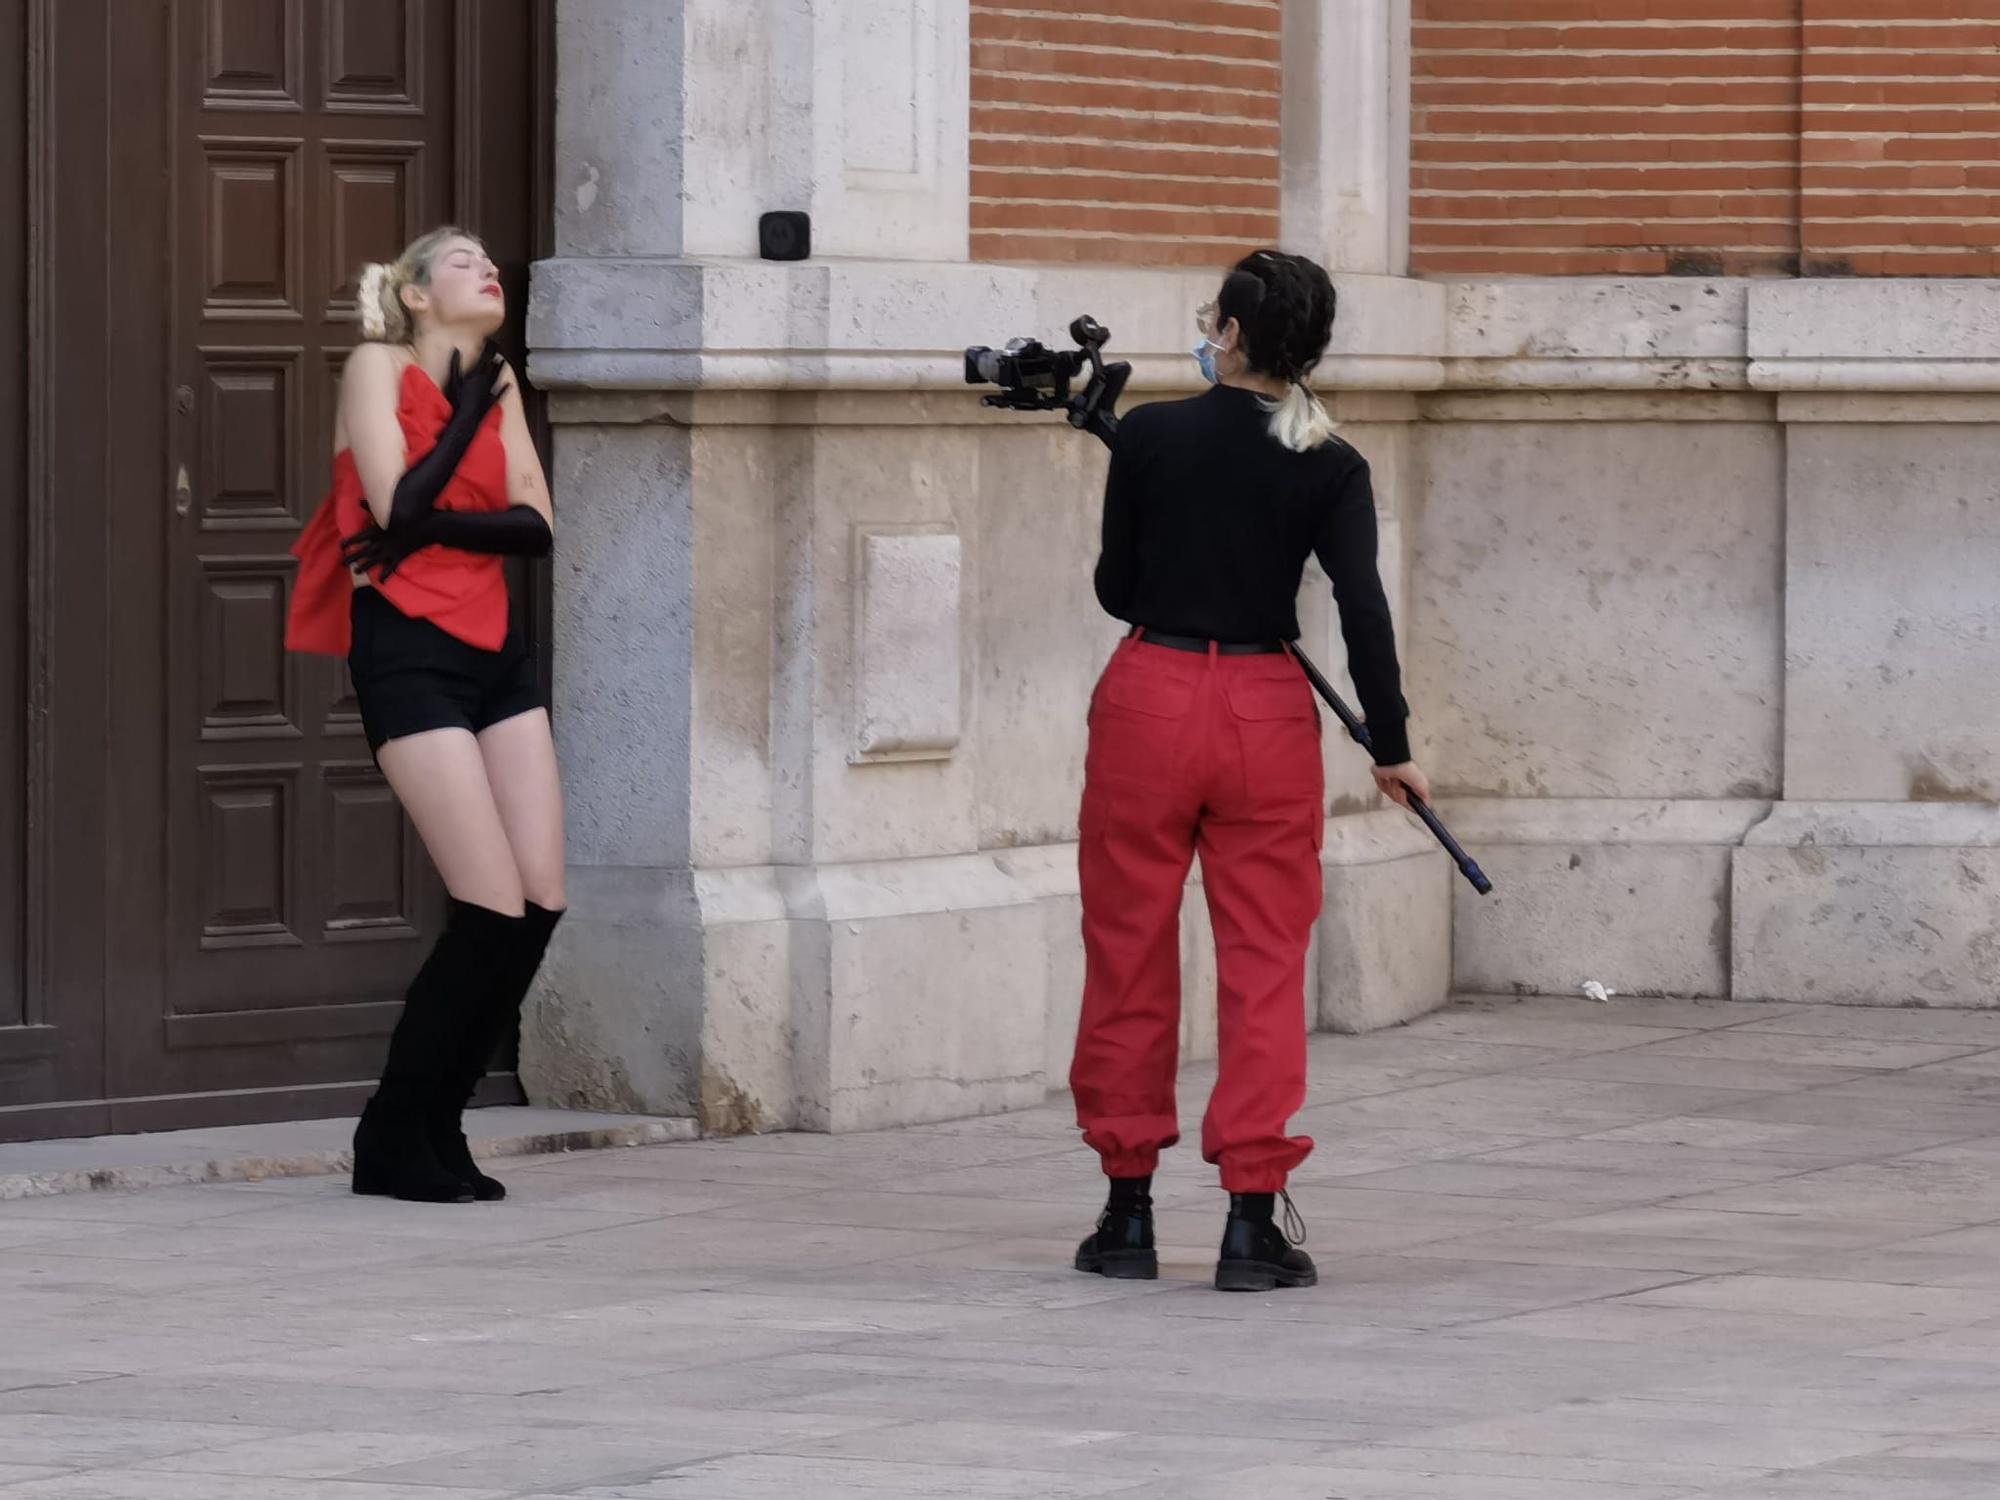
[296,1148]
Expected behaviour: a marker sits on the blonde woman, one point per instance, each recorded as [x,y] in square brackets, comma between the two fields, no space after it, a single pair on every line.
[436,482]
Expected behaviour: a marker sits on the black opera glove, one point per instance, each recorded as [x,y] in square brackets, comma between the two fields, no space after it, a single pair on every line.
[473,394]
[518,531]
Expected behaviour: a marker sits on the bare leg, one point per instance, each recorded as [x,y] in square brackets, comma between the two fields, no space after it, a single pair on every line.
[440,778]
[520,761]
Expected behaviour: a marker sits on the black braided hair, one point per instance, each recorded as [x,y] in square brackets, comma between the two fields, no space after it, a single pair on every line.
[1284,305]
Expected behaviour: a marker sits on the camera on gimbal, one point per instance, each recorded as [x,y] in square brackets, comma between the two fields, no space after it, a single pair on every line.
[1034,377]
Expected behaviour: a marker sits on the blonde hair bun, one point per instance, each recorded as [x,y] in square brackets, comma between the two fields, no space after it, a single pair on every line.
[369,299]
[383,316]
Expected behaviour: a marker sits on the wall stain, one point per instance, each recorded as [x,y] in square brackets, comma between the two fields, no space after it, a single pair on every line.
[729,1109]
[1927,784]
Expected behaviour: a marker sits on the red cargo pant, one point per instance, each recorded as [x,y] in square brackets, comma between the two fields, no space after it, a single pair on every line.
[1216,755]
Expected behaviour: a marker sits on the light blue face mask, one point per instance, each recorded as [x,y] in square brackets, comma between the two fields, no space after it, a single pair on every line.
[1204,355]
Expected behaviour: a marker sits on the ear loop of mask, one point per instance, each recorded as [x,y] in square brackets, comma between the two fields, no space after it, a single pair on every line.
[1204,356]
[1206,350]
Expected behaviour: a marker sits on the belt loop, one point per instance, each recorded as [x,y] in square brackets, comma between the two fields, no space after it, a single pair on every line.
[1214,654]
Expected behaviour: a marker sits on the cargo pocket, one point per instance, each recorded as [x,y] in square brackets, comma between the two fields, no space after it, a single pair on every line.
[1278,725]
[1137,723]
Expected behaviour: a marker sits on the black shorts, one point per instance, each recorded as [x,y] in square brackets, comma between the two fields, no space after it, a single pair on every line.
[411,676]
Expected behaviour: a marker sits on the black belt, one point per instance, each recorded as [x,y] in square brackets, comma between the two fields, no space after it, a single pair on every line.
[1197,644]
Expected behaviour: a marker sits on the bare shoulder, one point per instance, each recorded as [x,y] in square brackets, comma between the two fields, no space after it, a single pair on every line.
[375,357]
[514,411]
[527,484]
[511,398]
[373,368]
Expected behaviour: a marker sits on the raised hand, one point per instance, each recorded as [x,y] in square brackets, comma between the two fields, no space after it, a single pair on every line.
[474,392]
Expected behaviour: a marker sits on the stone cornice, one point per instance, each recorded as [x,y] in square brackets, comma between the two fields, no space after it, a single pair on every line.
[886,326]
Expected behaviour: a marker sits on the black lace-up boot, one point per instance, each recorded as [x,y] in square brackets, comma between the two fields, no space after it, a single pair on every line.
[1258,1255]
[1122,1246]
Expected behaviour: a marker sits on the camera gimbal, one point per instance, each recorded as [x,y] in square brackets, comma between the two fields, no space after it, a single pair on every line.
[1033,377]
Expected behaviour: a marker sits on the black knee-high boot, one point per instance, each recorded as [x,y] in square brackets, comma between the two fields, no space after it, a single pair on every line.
[495,1016]
[393,1154]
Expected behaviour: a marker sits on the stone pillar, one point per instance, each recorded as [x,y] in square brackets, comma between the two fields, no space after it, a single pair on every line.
[1346,188]
[762,600]
[683,120]
[1875,881]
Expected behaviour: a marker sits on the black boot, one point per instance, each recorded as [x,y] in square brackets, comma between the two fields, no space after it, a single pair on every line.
[392,1151]
[1256,1254]
[494,1018]
[393,1154]
[1122,1247]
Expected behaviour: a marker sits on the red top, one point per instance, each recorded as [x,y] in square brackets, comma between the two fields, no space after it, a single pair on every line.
[463,593]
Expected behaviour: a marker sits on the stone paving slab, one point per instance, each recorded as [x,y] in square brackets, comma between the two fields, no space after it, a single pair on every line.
[1569,1251]
[294,1148]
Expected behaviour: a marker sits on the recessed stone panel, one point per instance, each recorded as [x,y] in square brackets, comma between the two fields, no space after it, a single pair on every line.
[906,683]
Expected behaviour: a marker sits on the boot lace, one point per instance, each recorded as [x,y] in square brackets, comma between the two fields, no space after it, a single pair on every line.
[1294,1224]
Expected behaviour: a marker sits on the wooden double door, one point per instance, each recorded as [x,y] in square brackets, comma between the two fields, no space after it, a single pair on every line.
[209,900]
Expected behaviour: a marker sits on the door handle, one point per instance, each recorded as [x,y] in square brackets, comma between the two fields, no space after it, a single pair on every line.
[184,401]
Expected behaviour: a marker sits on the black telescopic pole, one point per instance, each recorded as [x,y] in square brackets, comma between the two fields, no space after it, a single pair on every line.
[1095,416]
[1358,731]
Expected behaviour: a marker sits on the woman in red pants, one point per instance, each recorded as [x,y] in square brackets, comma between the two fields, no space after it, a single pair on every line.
[1204,739]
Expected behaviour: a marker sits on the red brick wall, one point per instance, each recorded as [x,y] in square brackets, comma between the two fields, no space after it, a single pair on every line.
[1566,137]
[1139,132]
[1739,136]
[1901,154]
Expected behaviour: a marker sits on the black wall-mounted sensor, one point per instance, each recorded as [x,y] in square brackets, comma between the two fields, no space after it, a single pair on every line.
[786,235]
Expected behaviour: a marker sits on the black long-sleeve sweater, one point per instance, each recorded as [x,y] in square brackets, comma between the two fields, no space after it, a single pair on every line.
[1207,523]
